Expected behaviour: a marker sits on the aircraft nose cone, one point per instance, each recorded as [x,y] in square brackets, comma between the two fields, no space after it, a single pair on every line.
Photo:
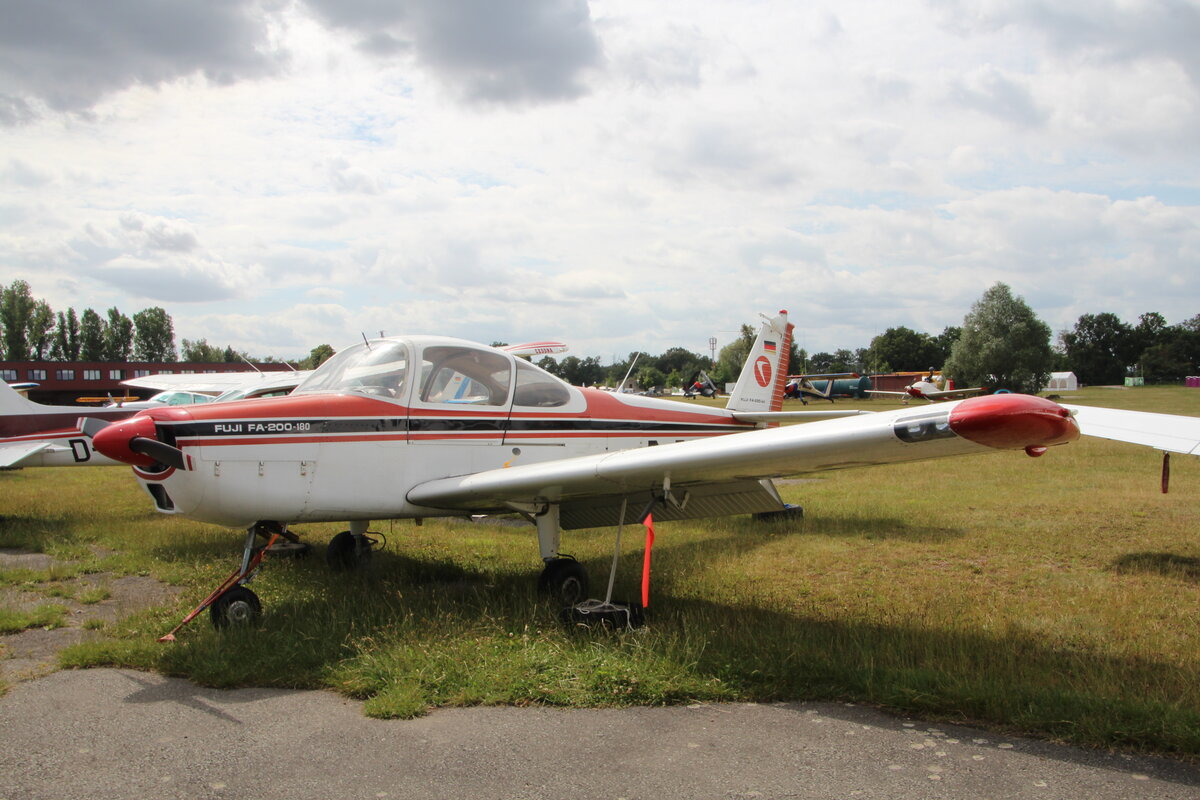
[1013,421]
[114,440]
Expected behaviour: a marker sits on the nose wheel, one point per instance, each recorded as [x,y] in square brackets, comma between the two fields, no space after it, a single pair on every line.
[238,606]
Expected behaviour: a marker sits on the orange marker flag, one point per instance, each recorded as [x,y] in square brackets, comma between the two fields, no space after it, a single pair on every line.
[649,523]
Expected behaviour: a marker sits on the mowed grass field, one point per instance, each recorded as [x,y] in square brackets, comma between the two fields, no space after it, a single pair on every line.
[1056,597]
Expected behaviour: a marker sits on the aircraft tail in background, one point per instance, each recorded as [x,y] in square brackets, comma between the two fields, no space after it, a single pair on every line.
[760,386]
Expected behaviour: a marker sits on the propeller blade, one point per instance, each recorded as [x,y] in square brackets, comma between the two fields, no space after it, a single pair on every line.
[90,426]
[161,452]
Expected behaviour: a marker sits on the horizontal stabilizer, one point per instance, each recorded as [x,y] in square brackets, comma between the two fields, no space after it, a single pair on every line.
[1175,434]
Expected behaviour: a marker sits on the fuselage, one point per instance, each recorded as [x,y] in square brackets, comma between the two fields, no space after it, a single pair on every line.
[351,447]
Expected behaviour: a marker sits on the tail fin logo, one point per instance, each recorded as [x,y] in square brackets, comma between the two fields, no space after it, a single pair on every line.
[762,371]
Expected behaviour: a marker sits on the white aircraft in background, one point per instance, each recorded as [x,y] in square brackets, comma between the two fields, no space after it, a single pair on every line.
[425,426]
[36,435]
[927,389]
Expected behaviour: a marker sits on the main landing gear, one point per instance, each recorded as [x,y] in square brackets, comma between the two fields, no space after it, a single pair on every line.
[351,550]
[566,581]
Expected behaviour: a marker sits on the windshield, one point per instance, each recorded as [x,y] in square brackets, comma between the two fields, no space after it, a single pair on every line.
[379,368]
[174,397]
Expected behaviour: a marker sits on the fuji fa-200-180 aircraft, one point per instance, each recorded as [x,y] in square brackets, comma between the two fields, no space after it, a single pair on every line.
[424,426]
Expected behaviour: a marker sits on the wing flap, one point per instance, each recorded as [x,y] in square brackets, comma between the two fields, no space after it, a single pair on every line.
[1170,432]
[704,500]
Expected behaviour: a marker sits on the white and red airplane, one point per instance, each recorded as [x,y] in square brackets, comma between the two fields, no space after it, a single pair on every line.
[425,426]
[36,435]
[926,389]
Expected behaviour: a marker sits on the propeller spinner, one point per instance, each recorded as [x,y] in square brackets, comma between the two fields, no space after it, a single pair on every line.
[135,441]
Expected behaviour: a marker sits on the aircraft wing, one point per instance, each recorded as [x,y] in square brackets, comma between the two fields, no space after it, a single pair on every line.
[203,382]
[739,466]
[13,453]
[945,394]
[1168,432]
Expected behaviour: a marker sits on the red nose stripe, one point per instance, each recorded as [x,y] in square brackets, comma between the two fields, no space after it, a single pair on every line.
[1013,421]
[113,441]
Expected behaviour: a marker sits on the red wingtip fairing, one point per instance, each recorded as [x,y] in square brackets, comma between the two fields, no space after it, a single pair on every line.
[1013,421]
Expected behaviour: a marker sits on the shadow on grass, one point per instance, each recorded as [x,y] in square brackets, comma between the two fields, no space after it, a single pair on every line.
[31,533]
[1168,565]
[870,528]
[409,633]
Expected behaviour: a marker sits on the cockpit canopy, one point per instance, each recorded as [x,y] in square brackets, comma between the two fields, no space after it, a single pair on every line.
[438,372]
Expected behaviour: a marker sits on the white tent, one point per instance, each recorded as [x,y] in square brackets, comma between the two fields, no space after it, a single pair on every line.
[1062,382]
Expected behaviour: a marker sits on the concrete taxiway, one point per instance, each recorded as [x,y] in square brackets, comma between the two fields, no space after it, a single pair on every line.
[109,733]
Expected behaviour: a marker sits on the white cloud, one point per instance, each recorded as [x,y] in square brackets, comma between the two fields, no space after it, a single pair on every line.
[619,175]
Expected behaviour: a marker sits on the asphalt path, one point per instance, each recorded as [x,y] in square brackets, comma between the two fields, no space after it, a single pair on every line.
[109,733]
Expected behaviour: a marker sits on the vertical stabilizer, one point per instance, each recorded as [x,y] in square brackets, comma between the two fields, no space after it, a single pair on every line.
[760,386]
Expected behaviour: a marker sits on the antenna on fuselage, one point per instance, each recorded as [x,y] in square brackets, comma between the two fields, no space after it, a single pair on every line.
[625,380]
[243,358]
[365,340]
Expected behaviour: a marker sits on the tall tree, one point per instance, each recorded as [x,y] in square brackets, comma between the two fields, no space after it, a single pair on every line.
[154,335]
[1003,344]
[1151,330]
[1099,348]
[16,309]
[41,331]
[118,336]
[93,335]
[904,349]
[945,342]
[66,337]
[200,351]
[317,356]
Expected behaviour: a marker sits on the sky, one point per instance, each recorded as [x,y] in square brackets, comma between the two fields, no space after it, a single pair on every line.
[614,174]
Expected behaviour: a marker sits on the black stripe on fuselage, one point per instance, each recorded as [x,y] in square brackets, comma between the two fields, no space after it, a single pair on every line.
[341,426]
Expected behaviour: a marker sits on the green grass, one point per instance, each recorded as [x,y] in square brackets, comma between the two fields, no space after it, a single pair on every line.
[47,615]
[1057,597]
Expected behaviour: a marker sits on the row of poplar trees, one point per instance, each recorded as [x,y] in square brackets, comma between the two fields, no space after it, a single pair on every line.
[31,331]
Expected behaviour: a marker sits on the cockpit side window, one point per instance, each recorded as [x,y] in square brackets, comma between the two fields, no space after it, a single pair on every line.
[538,389]
[454,374]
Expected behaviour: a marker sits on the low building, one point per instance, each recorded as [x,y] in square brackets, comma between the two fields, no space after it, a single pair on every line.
[62,382]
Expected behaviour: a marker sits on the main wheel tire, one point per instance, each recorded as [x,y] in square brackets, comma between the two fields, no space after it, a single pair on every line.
[347,551]
[565,580]
[237,607]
